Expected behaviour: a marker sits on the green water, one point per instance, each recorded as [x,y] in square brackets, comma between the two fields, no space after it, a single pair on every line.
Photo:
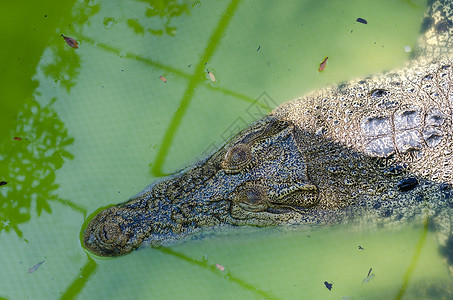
[97,125]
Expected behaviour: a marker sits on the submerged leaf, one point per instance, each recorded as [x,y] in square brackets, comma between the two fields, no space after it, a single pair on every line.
[71,42]
[211,76]
[323,64]
[35,267]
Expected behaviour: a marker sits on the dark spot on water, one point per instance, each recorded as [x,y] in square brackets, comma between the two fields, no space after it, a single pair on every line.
[426,24]
[378,92]
[3,183]
[407,184]
[363,21]
[328,285]
[447,250]
[342,86]
[447,193]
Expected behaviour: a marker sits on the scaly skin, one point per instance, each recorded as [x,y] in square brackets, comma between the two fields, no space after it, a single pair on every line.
[377,150]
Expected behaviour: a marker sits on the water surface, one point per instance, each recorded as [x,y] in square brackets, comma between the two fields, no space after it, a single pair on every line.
[95,125]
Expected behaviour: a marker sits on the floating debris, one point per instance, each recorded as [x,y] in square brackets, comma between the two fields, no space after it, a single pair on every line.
[328,285]
[220,267]
[323,64]
[360,248]
[71,42]
[363,21]
[3,183]
[259,47]
[35,267]
[211,76]
[163,78]
[17,138]
[368,277]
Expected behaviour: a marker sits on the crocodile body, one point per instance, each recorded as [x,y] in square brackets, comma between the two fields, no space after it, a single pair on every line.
[378,149]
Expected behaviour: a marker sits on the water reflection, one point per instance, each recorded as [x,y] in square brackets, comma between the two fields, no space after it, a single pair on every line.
[160,11]
[42,142]
[194,82]
[31,159]
[204,263]
[79,282]
[64,66]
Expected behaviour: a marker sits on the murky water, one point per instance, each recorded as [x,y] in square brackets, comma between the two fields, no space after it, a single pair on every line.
[88,127]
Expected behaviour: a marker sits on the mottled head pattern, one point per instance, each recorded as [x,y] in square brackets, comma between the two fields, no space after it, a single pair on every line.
[239,185]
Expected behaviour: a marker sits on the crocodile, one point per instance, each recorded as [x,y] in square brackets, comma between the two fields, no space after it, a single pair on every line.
[376,150]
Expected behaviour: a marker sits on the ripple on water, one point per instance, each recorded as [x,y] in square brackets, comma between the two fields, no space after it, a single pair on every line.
[109,22]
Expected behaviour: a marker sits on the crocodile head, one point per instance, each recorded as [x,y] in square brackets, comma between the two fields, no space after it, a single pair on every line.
[259,178]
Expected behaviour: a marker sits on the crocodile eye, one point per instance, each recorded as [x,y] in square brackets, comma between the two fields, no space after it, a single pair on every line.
[236,158]
[252,198]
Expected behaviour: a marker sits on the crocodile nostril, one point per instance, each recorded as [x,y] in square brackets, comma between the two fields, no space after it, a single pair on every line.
[109,233]
[104,235]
